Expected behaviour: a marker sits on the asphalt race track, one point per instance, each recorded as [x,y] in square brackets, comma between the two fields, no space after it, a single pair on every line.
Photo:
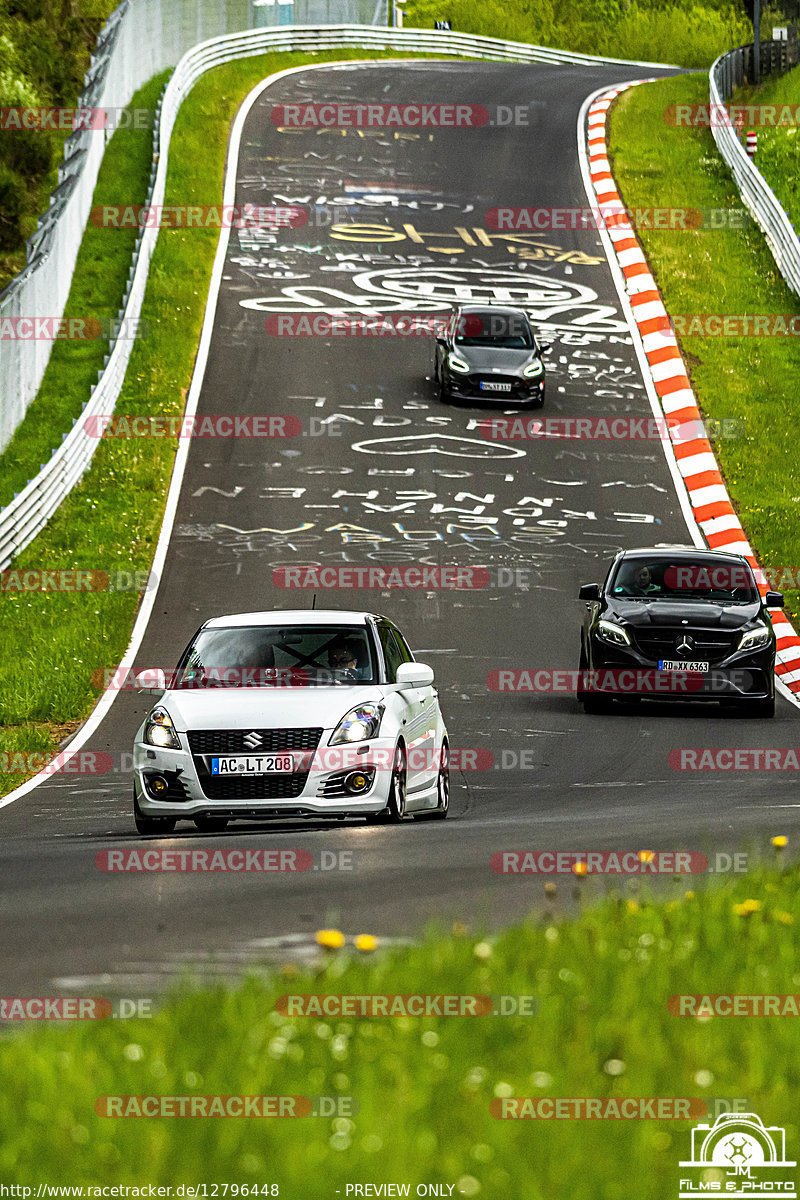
[384,473]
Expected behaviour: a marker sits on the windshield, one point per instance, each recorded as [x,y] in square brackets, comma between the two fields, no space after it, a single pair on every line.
[688,579]
[274,656]
[494,329]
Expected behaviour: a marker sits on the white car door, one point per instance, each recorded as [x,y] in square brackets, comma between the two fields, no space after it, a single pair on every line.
[419,716]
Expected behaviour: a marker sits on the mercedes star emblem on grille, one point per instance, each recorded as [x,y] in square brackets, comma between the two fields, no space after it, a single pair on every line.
[685,645]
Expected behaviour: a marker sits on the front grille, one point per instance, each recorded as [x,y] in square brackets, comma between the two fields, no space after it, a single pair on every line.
[519,387]
[712,645]
[231,741]
[207,742]
[253,787]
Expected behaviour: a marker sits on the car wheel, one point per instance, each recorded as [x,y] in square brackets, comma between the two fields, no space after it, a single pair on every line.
[397,793]
[163,825]
[208,824]
[583,667]
[442,790]
[396,807]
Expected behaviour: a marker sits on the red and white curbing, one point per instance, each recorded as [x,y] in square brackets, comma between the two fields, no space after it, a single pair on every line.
[695,459]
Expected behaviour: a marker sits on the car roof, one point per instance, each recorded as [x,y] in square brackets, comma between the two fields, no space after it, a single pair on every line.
[672,552]
[291,616]
[502,309]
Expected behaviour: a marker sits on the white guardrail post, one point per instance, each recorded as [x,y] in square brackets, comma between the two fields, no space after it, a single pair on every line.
[43,286]
[726,74]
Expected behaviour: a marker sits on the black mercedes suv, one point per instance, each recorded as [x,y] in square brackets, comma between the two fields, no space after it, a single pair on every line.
[678,623]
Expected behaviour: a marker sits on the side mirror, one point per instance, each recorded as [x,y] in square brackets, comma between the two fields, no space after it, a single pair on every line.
[153,681]
[413,675]
[545,346]
[589,591]
[773,600]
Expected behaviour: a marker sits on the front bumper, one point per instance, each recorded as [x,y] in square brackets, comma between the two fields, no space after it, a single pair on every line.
[523,391]
[622,673]
[316,790]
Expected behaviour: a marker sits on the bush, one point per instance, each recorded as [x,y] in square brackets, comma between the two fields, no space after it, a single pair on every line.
[27,152]
[13,195]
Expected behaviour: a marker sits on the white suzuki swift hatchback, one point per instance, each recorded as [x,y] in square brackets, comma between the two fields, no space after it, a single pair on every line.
[292,714]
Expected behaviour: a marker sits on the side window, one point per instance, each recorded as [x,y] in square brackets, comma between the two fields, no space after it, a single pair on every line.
[403,644]
[391,651]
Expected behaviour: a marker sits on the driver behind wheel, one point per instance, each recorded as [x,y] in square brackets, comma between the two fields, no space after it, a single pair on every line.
[343,659]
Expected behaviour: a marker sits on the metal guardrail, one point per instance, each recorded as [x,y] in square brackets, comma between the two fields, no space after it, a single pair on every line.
[32,508]
[727,73]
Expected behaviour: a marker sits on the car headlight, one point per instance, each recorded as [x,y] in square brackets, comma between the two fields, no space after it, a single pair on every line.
[159,730]
[359,725]
[457,363]
[611,632]
[533,369]
[754,639]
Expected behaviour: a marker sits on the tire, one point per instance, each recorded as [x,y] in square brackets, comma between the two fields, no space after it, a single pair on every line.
[156,825]
[396,806]
[208,824]
[593,703]
[397,794]
[442,790]
[583,665]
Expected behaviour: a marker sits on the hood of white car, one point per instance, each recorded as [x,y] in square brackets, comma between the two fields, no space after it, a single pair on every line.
[265,707]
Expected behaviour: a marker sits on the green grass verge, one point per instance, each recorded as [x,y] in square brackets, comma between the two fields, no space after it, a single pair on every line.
[51,643]
[778,154]
[98,287]
[424,1085]
[688,33]
[752,380]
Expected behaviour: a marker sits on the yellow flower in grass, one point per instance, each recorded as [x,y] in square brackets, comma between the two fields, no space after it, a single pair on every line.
[785,918]
[632,906]
[746,907]
[579,869]
[646,856]
[366,942]
[779,842]
[331,939]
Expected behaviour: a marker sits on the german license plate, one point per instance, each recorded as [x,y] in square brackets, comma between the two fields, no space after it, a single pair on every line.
[253,764]
[669,664]
[487,386]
